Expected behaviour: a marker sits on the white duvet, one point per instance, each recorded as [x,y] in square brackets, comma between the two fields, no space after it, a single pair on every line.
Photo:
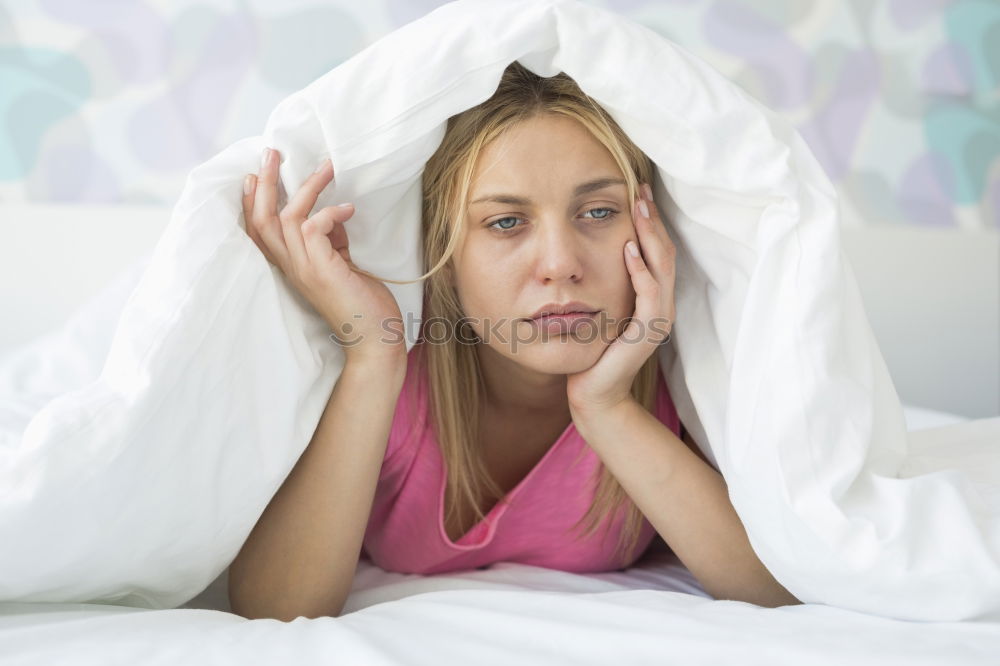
[653,613]
[132,472]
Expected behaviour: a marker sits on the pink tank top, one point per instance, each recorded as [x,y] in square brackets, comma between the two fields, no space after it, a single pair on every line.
[532,524]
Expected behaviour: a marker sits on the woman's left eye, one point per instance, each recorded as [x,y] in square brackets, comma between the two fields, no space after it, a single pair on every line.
[609,213]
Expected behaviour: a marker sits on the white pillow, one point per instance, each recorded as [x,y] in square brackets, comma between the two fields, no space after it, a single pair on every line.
[140,487]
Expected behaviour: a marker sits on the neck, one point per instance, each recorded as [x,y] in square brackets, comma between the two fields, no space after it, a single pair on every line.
[512,388]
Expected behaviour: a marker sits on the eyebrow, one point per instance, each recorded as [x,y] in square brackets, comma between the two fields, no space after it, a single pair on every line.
[582,188]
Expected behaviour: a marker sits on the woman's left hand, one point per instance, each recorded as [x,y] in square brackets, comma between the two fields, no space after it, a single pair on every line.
[608,382]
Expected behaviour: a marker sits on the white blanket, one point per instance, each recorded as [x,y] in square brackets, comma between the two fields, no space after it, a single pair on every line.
[138,484]
[653,613]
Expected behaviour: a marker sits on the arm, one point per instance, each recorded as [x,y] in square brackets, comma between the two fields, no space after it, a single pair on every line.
[685,500]
[302,554]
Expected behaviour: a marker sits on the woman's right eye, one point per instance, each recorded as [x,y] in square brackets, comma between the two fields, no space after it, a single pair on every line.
[502,229]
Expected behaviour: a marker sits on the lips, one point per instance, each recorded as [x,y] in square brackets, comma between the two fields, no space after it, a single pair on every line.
[562,315]
[564,324]
[556,309]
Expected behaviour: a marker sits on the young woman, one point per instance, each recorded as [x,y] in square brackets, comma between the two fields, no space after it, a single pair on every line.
[512,430]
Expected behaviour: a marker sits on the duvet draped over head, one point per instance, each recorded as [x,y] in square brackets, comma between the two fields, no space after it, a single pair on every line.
[141,487]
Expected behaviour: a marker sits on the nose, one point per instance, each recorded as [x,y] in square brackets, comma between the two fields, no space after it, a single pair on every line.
[559,253]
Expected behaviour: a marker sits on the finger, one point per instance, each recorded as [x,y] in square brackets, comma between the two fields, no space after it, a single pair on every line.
[248,189]
[265,215]
[302,203]
[338,235]
[316,232]
[291,229]
[670,251]
[264,232]
[249,185]
[659,258]
[637,341]
[266,205]
[658,226]
[647,288]
[265,202]
[660,255]
[643,281]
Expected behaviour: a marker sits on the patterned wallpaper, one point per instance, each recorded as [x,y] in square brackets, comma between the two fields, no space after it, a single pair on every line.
[114,101]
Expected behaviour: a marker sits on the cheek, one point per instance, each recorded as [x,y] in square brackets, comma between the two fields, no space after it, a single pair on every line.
[486,289]
[619,290]
[613,271]
[489,289]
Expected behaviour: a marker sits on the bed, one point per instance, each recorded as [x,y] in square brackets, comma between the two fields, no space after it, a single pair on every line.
[513,613]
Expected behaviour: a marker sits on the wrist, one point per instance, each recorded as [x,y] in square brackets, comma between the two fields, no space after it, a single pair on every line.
[389,368]
[594,423]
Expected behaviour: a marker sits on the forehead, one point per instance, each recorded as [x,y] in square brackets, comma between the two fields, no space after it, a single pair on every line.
[544,150]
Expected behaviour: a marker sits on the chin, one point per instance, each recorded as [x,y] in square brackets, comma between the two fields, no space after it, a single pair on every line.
[560,355]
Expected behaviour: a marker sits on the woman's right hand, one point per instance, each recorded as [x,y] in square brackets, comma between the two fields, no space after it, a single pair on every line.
[312,252]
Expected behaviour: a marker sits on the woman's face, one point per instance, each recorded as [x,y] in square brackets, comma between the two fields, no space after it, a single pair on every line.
[557,242]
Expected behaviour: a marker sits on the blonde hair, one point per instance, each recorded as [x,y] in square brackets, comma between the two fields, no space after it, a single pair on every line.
[452,366]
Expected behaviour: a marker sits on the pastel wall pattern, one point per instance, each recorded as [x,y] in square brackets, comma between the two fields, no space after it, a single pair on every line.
[114,101]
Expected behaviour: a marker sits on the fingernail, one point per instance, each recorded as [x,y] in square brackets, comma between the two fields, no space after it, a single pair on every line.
[643,208]
[632,249]
[322,165]
[246,184]
[265,157]
[647,191]
[344,205]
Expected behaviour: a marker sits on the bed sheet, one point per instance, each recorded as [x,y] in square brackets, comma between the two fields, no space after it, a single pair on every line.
[507,613]
[654,612]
